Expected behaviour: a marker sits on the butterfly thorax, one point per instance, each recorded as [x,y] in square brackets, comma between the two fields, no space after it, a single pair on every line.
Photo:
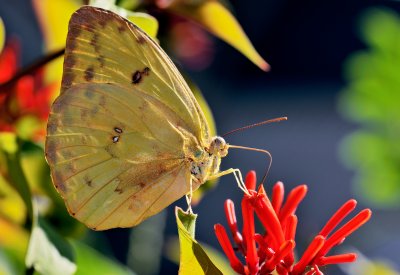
[208,162]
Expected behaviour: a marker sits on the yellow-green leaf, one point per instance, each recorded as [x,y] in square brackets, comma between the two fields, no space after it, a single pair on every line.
[16,177]
[218,20]
[2,35]
[12,207]
[193,259]
[89,261]
[146,22]
[8,142]
[53,18]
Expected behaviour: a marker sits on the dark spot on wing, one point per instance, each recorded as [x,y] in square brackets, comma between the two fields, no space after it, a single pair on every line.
[115,139]
[118,130]
[141,40]
[88,181]
[73,33]
[100,58]
[138,75]
[89,74]
[68,75]
[118,190]
[103,22]
[122,28]
[142,184]
[94,42]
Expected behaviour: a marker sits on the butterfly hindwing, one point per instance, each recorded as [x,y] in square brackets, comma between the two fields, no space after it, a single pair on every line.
[110,157]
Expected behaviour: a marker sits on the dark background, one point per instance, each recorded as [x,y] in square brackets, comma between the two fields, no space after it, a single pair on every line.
[306,44]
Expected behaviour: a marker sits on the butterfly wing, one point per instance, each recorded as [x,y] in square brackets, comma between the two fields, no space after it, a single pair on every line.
[123,125]
[112,160]
[103,47]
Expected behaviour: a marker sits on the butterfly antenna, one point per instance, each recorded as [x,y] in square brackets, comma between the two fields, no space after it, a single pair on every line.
[255,125]
[257,150]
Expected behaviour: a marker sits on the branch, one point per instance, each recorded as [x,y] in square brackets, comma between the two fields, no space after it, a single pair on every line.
[30,69]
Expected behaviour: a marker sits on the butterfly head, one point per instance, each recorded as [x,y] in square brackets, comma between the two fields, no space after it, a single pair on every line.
[218,147]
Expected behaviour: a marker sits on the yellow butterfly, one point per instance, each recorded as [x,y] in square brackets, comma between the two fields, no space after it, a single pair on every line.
[126,137]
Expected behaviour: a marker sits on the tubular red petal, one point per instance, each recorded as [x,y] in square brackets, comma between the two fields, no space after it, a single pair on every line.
[248,234]
[269,219]
[278,193]
[264,252]
[309,254]
[281,270]
[337,259]
[227,247]
[339,215]
[284,250]
[229,207]
[294,198]
[290,232]
[345,231]
[291,226]
[251,180]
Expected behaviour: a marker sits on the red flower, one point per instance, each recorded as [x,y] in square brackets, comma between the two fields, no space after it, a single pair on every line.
[28,96]
[274,249]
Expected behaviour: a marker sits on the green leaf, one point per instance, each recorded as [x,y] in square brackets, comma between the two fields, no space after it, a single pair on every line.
[146,22]
[2,35]
[10,148]
[193,259]
[8,142]
[9,264]
[172,253]
[89,261]
[128,4]
[48,253]
[218,20]
[371,98]
[381,28]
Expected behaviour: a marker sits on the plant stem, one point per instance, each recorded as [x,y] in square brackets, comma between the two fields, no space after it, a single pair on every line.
[30,69]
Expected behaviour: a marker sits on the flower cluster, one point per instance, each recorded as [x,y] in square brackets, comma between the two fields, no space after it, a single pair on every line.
[274,249]
[27,97]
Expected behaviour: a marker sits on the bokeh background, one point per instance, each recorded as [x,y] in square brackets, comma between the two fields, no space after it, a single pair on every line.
[335,72]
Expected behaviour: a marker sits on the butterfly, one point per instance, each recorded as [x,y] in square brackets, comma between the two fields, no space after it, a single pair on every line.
[126,137]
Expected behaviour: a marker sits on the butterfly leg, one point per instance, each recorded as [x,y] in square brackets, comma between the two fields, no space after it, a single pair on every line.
[238,176]
[189,196]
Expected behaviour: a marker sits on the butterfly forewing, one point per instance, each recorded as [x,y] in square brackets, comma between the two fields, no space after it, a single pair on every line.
[103,47]
[121,131]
